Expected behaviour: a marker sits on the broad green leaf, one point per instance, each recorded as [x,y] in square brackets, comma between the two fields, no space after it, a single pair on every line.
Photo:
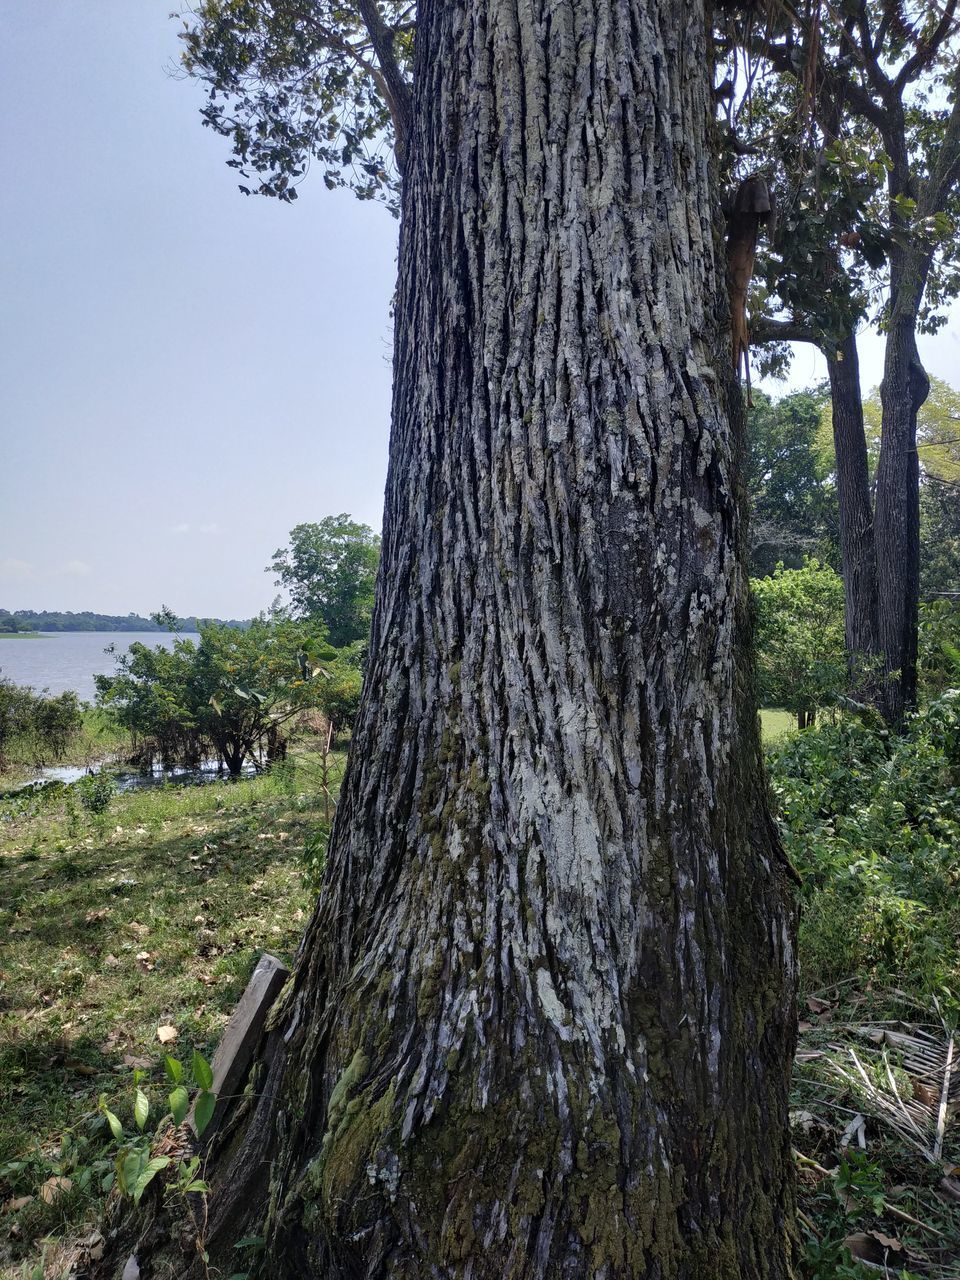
[147,1174]
[129,1168]
[141,1109]
[203,1111]
[116,1128]
[179,1104]
[174,1069]
[201,1071]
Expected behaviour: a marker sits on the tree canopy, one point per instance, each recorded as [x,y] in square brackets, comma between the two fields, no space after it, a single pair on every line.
[790,481]
[227,695]
[329,570]
[801,661]
[297,82]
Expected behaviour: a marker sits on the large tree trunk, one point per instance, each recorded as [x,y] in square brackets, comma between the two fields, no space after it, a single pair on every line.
[542,1022]
[857,550]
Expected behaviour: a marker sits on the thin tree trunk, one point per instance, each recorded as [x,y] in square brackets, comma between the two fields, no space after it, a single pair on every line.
[857,551]
[542,1022]
[904,389]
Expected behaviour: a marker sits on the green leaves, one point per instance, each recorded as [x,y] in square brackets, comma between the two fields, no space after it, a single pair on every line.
[801,659]
[288,91]
[116,1128]
[203,1111]
[135,1167]
[201,1071]
[329,569]
[147,1174]
[179,1104]
[141,1109]
[225,697]
[136,1170]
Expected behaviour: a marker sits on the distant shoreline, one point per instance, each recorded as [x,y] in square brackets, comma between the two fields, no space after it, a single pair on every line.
[22,635]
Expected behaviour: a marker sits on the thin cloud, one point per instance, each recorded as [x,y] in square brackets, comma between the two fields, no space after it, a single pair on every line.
[75,568]
[180,528]
[12,570]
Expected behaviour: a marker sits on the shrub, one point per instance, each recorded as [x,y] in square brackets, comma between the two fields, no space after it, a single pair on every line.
[801,661]
[872,823]
[228,695]
[96,792]
[37,727]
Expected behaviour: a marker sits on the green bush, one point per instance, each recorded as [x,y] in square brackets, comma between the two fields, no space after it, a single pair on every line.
[801,660]
[96,792]
[35,727]
[872,823]
[939,643]
[229,695]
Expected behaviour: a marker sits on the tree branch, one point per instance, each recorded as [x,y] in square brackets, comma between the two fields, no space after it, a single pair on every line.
[766,329]
[926,49]
[946,171]
[397,89]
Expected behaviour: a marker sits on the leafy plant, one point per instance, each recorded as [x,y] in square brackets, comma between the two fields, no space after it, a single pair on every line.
[40,727]
[229,695]
[95,791]
[872,823]
[329,570]
[136,1166]
[801,660]
[857,1187]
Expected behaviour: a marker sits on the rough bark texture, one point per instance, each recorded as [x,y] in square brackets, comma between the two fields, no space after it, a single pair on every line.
[857,549]
[542,1022]
[903,390]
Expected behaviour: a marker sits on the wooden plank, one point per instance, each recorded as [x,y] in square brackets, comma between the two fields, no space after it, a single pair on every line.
[235,1051]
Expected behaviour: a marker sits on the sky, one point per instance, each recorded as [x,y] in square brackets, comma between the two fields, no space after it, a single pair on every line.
[185,373]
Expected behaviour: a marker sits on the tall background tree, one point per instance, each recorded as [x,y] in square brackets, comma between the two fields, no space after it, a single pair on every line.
[542,1021]
[791,479]
[856,107]
[329,570]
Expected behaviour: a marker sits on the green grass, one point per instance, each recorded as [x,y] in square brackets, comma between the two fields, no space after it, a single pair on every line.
[775,723]
[153,914]
[22,635]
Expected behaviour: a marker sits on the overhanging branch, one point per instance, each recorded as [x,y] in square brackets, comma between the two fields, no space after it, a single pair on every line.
[395,85]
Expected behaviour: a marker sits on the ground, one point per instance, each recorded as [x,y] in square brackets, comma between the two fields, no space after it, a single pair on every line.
[777,723]
[153,914]
[150,915]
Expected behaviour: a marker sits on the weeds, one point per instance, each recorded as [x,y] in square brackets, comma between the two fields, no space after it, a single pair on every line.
[117,926]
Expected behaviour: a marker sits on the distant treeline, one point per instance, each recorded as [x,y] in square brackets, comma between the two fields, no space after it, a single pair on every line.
[31,620]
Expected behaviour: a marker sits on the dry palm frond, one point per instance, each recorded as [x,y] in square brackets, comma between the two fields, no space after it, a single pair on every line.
[928,1056]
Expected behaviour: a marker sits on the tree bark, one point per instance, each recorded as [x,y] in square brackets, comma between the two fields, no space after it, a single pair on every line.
[542,1022]
[857,549]
[903,390]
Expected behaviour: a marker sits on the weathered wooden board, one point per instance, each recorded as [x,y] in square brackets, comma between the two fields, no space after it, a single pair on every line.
[232,1059]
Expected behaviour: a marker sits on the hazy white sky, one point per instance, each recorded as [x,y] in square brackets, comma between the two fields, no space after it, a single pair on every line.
[185,373]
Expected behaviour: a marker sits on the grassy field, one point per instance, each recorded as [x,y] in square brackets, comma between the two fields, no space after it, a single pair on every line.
[21,635]
[154,913]
[775,723]
[151,914]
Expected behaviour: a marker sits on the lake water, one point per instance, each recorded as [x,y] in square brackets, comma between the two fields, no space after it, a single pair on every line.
[64,660]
